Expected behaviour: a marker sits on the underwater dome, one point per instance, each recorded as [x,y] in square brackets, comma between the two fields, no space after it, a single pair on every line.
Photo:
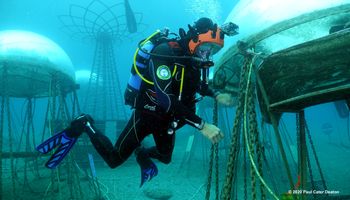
[30,63]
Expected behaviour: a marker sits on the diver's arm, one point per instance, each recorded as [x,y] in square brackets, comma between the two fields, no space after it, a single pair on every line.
[161,72]
[223,98]
[206,90]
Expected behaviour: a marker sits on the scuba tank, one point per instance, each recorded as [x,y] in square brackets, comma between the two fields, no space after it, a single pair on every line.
[135,81]
[140,65]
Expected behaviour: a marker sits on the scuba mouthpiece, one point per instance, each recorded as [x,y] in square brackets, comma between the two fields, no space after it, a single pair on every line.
[229,29]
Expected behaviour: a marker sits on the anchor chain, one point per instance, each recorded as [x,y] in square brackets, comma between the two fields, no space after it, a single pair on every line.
[216,149]
[207,194]
[235,144]
[255,137]
[245,170]
[252,139]
[213,155]
[316,157]
[310,173]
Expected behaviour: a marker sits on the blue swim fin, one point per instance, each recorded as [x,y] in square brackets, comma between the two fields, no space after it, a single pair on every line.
[64,144]
[148,173]
[148,168]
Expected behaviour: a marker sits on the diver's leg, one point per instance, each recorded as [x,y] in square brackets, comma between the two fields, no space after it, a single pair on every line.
[128,141]
[164,145]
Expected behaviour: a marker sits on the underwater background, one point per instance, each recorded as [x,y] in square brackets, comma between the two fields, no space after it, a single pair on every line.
[25,121]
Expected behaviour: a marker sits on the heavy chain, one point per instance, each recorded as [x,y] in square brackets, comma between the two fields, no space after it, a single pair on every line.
[316,157]
[258,145]
[213,153]
[216,153]
[255,132]
[252,137]
[260,163]
[310,172]
[249,129]
[234,149]
[216,148]
[210,172]
[298,141]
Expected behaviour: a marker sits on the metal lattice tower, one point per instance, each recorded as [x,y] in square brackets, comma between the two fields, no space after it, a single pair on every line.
[99,23]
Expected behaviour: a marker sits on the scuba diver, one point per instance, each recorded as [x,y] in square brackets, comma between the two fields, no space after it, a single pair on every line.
[166,75]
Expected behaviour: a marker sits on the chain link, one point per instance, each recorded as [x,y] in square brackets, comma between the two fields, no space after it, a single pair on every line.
[217,191]
[298,141]
[316,157]
[213,153]
[252,138]
[310,173]
[216,151]
[261,155]
[234,149]
[207,194]
[257,150]
[257,144]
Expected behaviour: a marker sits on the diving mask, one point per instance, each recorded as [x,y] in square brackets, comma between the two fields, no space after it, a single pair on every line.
[205,51]
[213,40]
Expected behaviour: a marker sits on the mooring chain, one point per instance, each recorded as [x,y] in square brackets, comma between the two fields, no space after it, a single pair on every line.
[310,173]
[216,153]
[254,125]
[316,157]
[260,154]
[245,121]
[213,154]
[252,138]
[210,172]
[217,192]
[260,163]
[234,149]
[245,170]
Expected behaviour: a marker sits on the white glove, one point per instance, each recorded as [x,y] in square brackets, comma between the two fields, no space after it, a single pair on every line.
[212,132]
[225,99]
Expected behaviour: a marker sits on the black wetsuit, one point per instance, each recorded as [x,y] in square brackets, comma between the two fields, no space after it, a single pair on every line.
[157,106]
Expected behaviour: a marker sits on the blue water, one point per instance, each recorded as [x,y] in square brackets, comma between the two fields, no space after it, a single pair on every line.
[180,182]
